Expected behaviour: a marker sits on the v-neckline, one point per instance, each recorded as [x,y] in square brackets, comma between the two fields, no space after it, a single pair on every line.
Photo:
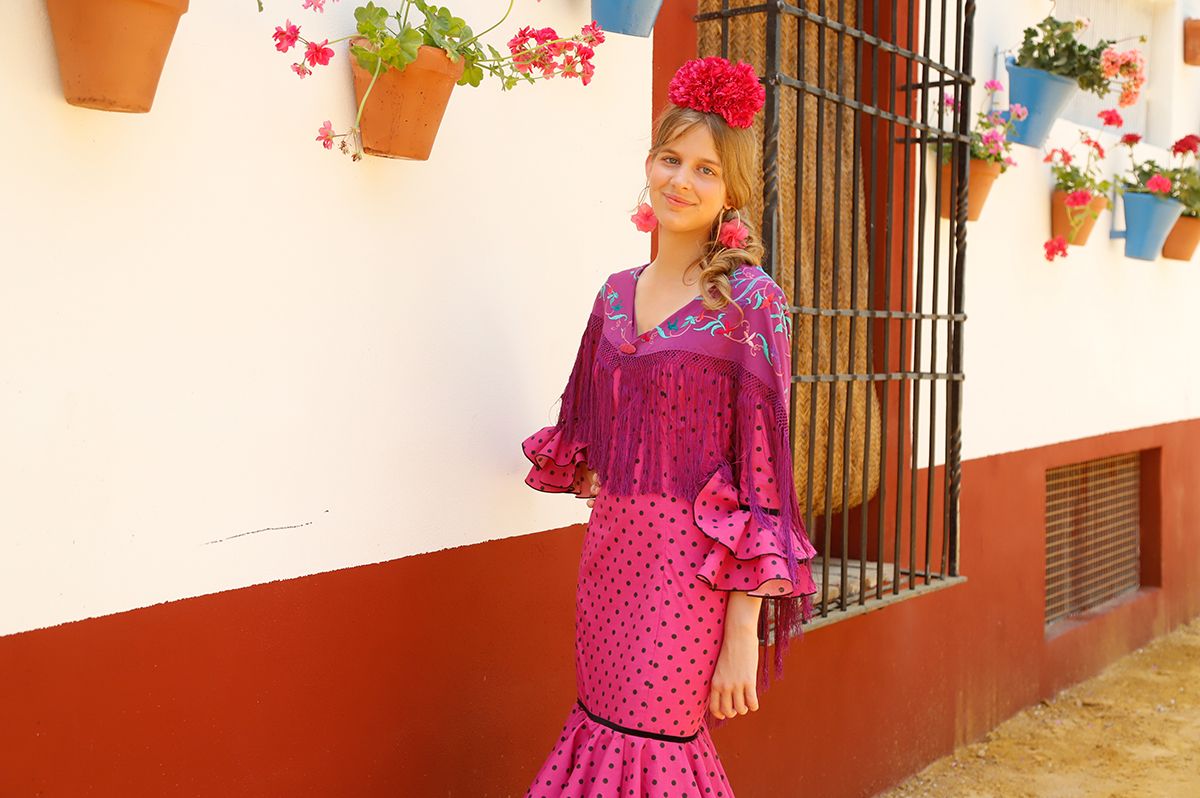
[637,276]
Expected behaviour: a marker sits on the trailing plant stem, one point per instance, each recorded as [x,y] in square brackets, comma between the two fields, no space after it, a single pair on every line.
[363,103]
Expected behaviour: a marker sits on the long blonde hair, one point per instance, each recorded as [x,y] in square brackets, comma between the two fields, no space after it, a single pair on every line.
[737,149]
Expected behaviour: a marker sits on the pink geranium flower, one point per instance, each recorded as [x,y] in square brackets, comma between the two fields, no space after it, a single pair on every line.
[1018,111]
[993,140]
[1158,184]
[1111,118]
[522,37]
[315,5]
[300,69]
[993,85]
[325,135]
[318,53]
[592,34]
[1129,95]
[285,37]
[1130,139]
[1110,63]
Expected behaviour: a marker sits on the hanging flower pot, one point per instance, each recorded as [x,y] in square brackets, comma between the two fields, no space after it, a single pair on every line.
[1062,216]
[405,107]
[1044,94]
[979,183]
[1191,42]
[111,52]
[631,17]
[1148,220]
[1183,239]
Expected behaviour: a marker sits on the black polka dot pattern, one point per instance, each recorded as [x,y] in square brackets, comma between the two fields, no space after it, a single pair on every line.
[648,632]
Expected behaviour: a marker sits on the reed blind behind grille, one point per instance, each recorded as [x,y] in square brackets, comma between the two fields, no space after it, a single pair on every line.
[1093,550]
[856,112]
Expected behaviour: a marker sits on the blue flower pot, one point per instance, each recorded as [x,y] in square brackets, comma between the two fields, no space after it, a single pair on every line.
[1044,94]
[631,17]
[1148,222]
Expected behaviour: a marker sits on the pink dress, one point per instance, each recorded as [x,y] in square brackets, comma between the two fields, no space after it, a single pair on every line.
[687,428]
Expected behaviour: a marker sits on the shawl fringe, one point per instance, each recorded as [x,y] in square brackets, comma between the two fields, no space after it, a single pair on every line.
[631,412]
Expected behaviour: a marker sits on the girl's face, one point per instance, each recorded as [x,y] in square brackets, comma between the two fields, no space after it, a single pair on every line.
[687,186]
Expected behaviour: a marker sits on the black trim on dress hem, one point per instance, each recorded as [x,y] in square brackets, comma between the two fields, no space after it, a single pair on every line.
[670,738]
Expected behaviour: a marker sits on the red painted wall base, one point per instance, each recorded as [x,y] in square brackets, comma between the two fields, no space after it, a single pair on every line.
[450,674]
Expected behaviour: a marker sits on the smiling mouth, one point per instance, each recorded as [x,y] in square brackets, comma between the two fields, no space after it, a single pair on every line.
[676,201]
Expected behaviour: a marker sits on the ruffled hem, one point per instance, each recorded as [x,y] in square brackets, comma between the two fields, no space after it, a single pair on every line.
[592,759]
[559,466]
[747,556]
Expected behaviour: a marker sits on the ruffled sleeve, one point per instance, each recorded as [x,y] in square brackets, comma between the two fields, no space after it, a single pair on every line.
[559,452]
[747,555]
[748,505]
[559,465]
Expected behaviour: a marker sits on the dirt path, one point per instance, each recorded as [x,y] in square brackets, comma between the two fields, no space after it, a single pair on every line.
[1133,731]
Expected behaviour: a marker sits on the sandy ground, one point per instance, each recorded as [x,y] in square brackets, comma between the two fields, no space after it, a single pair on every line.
[1133,731]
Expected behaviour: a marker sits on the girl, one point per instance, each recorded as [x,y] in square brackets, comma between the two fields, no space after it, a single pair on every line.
[674,427]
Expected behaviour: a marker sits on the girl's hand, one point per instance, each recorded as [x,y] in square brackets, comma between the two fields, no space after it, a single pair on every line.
[594,481]
[734,689]
[586,484]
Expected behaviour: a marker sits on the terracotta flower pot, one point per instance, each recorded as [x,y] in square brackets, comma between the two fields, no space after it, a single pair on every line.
[982,175]
[1061,216]
[1181,243]
[111,52]
[1191,42]
[405,109]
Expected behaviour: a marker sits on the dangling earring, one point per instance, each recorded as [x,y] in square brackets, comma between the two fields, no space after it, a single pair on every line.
[644,219]
[733,234]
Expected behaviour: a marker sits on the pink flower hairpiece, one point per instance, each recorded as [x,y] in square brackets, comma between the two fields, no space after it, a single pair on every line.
[717,86]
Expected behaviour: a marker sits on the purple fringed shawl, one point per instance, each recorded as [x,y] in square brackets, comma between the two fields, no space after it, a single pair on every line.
[696,400]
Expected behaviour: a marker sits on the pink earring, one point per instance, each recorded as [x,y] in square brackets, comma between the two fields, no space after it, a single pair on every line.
[644,219]
[733,234]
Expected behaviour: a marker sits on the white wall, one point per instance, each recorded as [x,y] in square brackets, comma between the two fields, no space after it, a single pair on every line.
[1090,344]
[211,325]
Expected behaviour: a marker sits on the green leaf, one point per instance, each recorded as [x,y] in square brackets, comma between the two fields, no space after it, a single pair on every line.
[410,42]
[367,59]
[472,74]
[371,20]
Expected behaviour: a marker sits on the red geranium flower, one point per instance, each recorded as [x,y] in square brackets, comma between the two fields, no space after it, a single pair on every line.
[1188,144]
[1055,247]
[1095,145]
[1078,198]
[714,85]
